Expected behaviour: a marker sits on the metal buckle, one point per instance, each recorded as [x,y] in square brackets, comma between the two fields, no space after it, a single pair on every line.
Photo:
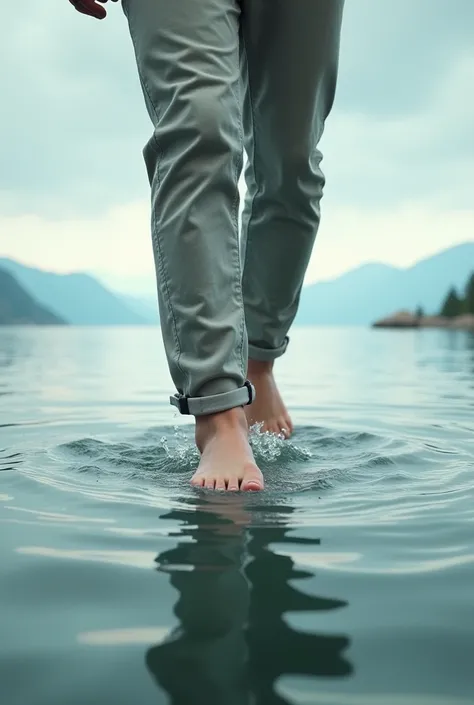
[250,391]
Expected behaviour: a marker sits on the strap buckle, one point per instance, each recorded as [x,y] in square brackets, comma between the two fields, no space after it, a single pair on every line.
[196,406]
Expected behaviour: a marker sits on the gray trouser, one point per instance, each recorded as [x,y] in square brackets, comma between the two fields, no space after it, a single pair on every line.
[218,76]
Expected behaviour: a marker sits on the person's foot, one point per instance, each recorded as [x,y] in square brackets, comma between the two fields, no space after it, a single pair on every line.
[227,461]
[268,407]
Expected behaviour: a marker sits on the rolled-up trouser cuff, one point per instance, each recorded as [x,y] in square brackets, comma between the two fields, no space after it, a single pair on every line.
[212,404]
[267,354]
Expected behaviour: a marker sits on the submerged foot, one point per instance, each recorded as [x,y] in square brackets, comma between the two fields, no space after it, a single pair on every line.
[268,407]
[227,461]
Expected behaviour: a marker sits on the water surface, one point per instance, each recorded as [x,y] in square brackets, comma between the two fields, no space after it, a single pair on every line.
[349,581]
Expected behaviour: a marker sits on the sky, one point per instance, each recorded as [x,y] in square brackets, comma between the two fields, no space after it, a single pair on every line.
[398,147]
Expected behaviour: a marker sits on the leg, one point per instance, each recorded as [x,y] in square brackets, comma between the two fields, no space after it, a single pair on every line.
[188,60]
[290,58]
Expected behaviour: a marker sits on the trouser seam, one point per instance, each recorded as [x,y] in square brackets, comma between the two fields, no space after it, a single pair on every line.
[238,169]
[164,278]
[253,156]
[155,230]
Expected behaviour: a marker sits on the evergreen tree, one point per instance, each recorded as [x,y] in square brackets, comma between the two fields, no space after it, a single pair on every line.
[469,300]
[453,305]
[419,312]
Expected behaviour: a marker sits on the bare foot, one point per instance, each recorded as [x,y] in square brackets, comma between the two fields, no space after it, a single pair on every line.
[227,461]
[268,407]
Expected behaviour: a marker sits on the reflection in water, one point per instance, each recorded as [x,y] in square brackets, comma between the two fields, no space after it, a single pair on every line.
[15,345]
[275,648]
[9,460]
[7,348]
[232,643]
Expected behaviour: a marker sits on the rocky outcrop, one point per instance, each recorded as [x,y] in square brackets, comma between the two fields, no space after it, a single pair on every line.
[464,322]
[405,319]
[434,322]
[402,319]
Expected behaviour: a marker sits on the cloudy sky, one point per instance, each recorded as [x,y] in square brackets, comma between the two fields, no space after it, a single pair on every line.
[398,148]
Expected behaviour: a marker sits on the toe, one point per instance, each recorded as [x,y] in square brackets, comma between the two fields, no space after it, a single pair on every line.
[197,481]
[252,482]
[209,483]
[284,428]
[251,486]
[233,484]
[220,484]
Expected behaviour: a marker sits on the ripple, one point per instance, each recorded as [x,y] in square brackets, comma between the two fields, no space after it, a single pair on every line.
[349,563]
[58,517]
[153,469]
[9,460]
[131,559]
[125,637]
[297,697]
[347,581]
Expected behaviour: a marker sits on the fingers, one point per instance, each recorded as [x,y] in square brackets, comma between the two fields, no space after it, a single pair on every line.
[90,7]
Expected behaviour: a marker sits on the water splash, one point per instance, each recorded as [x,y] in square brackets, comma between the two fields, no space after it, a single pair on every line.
[162,459]
[180,449]
[271,448]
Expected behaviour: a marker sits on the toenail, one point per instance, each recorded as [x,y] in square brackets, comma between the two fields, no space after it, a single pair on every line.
[253,487]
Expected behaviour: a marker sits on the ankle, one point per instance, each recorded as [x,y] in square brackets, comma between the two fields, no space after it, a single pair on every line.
[257,368]
[223,420]
[210,426]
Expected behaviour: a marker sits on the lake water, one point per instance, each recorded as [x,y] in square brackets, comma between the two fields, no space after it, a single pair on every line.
[349,581]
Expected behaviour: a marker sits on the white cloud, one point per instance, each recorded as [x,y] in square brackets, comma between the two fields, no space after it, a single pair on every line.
[400,236]
[118,245]
[429,154]
[116,241]
[398,150]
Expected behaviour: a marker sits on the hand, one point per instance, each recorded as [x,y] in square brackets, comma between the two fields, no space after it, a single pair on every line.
[91,7]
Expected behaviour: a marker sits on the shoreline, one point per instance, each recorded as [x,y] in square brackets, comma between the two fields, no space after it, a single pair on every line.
[405,319]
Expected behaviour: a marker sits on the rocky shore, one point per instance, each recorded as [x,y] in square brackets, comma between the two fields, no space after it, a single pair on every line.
[405,319]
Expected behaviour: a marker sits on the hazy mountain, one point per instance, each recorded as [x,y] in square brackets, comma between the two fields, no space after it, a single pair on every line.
[369,292]
[145,307]
[18,307]
[77,298]
[358,297]
[375,290]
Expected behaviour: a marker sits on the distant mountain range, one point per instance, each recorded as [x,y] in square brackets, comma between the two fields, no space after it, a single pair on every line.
[372,291]
[77,298]
[145,307]
[375,290]
[18,307]
[358,297]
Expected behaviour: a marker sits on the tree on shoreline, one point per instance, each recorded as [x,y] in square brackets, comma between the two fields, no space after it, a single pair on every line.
[455,305]
[469,298]
[420,312]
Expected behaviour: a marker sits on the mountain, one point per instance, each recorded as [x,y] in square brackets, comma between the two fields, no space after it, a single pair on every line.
[77,298]
[18,307]
[373,291]
[358,297]
[144,307]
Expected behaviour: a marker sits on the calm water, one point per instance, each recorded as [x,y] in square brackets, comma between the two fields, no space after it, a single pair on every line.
[349,581]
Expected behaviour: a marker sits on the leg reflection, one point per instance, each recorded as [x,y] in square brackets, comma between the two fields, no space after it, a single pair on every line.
[204,662]
[233,642]
[275,648]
